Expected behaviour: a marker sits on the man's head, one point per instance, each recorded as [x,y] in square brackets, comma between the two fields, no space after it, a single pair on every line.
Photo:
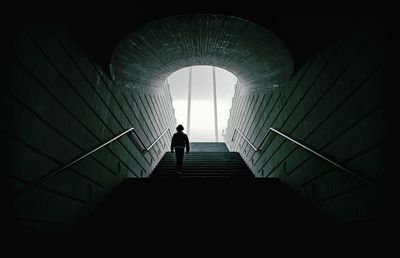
[179,128]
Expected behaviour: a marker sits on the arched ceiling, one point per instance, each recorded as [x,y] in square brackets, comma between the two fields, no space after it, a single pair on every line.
[148,55]
[98,28]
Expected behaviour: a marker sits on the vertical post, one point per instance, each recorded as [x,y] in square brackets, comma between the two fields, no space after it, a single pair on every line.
[215,106]
[189,100]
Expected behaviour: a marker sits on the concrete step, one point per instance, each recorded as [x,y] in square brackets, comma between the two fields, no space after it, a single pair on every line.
[208,147]
[210,172]
[196,153]
[204,164]
[205,170]
[204,176]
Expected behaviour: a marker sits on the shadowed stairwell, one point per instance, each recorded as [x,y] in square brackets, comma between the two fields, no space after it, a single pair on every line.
[88,116]
[216,200]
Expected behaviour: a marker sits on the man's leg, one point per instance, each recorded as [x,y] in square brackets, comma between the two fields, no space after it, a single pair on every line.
[179,158]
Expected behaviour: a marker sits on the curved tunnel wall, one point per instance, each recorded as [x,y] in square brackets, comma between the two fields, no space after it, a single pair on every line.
[60,105]
[335,105]
[147,56]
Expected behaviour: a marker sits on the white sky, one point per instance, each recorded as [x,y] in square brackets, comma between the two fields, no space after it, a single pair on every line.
[202,121]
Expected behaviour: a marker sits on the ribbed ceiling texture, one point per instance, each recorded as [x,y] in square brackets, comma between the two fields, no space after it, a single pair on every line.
[147,56]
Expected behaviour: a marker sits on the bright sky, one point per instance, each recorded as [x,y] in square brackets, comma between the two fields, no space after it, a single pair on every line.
[202,121]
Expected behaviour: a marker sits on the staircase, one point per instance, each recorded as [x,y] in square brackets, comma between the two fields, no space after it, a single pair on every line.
[215,202]
[211,160]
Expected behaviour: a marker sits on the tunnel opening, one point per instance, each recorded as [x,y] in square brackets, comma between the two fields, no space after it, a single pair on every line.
[258,58]
[202,99]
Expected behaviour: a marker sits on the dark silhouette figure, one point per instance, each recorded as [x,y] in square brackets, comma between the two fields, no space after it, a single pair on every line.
[179,141]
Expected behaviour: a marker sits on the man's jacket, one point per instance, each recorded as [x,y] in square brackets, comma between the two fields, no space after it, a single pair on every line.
[180,140]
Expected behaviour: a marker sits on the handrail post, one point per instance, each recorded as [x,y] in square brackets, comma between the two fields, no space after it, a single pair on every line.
[233,137]
[244,137]
[140,140]
[265,137]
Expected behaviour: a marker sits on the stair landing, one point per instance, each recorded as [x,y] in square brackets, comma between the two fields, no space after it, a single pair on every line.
[208,147]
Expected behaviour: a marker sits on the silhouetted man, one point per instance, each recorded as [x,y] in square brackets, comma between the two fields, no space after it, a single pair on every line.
[179,141]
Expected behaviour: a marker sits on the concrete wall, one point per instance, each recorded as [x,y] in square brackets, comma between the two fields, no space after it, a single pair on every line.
[59,105]
[333,104]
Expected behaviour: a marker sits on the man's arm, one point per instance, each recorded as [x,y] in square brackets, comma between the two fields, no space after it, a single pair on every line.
[187,144]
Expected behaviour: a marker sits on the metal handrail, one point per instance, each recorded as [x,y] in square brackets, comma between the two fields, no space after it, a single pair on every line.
[244,137]
[52,174]
[159,137]
[306,148]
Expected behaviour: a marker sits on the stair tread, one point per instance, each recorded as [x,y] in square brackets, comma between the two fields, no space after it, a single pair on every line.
[204,164]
